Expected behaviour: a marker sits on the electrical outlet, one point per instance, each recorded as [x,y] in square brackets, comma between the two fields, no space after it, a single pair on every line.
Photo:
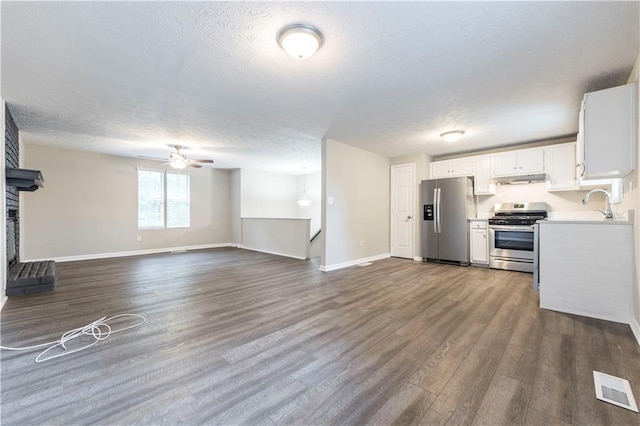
[361,243]
[138,238]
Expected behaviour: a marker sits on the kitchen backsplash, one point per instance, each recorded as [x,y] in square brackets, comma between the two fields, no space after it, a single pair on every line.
[561,204]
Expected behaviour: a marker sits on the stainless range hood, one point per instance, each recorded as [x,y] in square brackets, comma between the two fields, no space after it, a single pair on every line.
[520,179]
[24,179]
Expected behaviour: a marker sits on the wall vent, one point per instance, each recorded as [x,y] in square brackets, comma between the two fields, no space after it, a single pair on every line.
[614,390]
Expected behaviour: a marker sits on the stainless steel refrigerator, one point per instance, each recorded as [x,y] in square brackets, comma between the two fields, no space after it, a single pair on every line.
[447,204]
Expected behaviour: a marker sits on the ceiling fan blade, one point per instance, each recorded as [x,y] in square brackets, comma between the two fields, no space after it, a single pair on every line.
[205,161]
[197,166]
[151,158]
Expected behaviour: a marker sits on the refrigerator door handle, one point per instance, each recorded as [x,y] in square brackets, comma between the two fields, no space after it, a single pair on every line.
[435,212]
[439,211]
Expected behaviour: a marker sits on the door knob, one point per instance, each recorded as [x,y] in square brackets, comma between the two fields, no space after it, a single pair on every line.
[408,217]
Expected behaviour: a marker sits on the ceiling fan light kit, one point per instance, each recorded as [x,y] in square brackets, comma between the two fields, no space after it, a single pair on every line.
[178,160]
[452,136]
[300,41]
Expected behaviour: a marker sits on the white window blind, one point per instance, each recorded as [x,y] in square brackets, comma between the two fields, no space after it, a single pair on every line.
[163,199]
[150,199]
[178,211]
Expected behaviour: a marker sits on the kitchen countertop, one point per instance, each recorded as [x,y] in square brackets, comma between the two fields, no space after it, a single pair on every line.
[602,221]
[478,219]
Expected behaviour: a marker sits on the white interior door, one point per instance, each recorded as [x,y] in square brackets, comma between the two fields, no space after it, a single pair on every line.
[403,186]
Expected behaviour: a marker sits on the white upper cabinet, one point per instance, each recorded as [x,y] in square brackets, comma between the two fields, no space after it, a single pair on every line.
[482,183]
[452,168]
[521,162]
[607,133]
[560,167]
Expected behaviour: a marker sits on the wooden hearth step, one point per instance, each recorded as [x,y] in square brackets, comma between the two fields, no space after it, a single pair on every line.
[31,277]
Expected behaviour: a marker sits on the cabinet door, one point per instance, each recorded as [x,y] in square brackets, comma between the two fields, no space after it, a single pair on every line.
[580,144]
[461,167]
[505,164]
[440,169]
[531,161]
[610,132]
[479,246]
[482,181]
[560,167]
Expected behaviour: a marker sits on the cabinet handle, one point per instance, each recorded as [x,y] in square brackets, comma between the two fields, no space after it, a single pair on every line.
[584,168]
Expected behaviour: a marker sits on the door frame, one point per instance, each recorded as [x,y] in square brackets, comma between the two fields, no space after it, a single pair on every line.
[412,206]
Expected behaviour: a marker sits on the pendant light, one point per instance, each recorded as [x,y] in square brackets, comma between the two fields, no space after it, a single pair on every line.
[304,201]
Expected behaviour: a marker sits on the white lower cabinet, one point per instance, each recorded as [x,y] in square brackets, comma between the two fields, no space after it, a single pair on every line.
[587,269]
[479,245]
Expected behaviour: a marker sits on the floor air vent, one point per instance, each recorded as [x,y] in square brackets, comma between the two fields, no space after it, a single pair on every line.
[614,390]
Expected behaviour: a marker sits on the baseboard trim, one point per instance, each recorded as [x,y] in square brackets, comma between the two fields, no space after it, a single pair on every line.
[417,258]
[328,268]
[132,253]
[635,328]
[271,252]
[3,299]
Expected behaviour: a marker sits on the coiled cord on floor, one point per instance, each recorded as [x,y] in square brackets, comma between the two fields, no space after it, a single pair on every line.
[98,329]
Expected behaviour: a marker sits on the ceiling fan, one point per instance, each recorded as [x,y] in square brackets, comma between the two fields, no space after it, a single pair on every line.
[178,160]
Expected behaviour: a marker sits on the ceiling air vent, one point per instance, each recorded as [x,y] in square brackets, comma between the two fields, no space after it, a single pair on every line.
[614,390]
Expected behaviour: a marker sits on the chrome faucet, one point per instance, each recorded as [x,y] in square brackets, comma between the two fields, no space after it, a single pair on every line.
[607,213]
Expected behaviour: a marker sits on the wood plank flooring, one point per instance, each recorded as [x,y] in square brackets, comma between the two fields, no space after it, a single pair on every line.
[240,337]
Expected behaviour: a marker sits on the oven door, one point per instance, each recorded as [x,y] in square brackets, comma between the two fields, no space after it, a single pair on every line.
[511,242]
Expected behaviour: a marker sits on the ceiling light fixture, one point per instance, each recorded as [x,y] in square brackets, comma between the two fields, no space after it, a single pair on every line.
[452,136]
[300,41]
[177,161]
[304,201]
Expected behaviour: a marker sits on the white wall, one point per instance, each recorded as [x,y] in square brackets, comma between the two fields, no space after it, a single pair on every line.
[632,201]
[422,162]
[358,181]
[268,195]
[89,206]
[235,185]
[266,235]
[314,193]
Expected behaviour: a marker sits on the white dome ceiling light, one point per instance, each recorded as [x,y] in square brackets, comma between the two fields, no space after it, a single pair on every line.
[452,136]
[300,41]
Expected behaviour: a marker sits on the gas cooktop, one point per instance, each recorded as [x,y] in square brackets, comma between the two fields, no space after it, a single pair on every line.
[518,213]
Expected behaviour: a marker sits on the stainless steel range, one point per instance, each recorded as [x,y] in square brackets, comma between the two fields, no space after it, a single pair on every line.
[511,235]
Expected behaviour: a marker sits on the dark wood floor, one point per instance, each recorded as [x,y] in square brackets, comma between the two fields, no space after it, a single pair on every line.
[235,336]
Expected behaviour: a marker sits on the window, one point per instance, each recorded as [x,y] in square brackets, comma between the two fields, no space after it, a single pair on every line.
[177,200]
[163,199]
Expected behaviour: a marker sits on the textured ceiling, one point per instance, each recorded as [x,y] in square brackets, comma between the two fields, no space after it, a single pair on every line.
[129,78]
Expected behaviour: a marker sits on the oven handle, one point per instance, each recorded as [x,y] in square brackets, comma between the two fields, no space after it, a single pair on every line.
[521,228]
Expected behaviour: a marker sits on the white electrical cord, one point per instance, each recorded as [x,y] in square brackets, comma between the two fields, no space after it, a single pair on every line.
[98,329]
